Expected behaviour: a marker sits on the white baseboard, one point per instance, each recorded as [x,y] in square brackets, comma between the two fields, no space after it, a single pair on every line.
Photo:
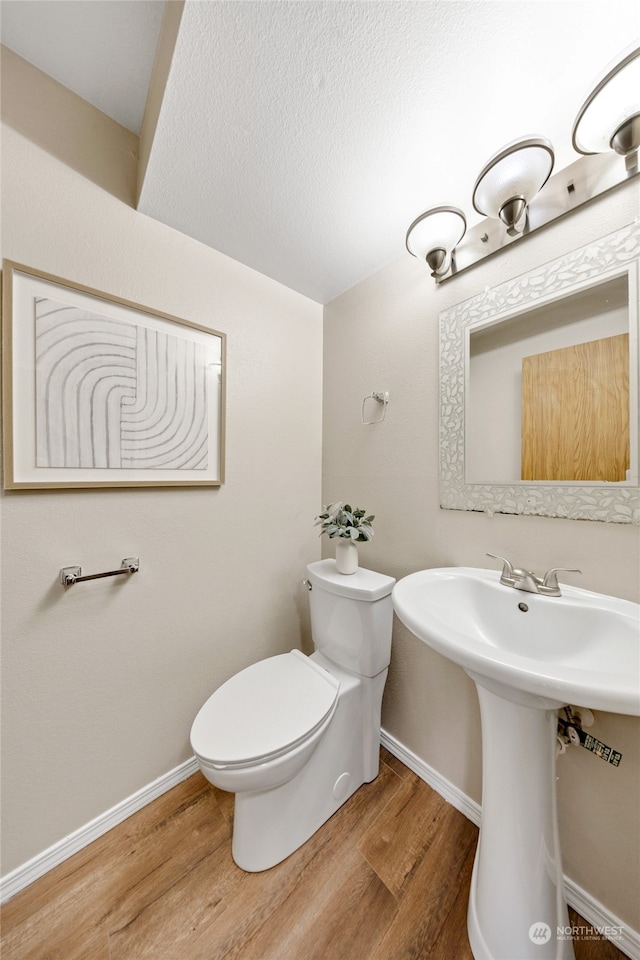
[624,938]
[594,912]
[445,788]
[22,876]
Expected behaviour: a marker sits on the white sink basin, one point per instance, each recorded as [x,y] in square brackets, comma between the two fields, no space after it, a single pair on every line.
[581,648]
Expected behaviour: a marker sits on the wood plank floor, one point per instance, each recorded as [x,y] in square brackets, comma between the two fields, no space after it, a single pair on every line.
[387,878]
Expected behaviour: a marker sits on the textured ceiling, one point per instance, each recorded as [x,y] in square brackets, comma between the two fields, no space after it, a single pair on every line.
[302,138]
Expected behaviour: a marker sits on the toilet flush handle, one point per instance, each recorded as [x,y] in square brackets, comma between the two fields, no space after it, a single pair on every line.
[307,584]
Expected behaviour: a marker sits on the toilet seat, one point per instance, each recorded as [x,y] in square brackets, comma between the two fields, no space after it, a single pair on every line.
[264,711]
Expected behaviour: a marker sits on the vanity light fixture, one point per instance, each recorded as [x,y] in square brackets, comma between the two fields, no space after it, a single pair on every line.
[609,119]
[509,191]
[511,179]
[434,235]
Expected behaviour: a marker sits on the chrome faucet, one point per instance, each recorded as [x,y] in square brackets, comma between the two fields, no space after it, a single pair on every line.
[528,581]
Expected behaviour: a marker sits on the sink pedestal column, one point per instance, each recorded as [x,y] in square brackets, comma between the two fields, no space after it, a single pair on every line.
[517,909]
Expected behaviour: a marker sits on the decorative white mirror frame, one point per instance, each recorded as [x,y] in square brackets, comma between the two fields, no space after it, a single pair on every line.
[613,503]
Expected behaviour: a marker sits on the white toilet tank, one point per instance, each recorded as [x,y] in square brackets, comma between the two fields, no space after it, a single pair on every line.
[351,617]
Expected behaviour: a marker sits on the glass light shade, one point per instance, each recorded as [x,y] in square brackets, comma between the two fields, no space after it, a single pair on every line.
[440,228]
[612,102]
[518,171]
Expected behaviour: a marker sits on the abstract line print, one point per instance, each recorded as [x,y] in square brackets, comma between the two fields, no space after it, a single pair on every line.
[166,424]
[111,394]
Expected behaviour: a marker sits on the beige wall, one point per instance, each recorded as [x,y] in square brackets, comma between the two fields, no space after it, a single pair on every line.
[383,335]
[101,682]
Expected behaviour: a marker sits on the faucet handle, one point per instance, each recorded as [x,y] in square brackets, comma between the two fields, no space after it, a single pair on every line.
[550,578]
[508,573]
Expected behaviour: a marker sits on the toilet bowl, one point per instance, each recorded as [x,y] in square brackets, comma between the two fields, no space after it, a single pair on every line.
[294,736]
[260,727]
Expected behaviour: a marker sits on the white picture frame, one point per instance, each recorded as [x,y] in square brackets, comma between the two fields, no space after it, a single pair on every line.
[102,392]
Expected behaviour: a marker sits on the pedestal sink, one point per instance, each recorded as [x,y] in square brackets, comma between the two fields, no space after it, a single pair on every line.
[528,655]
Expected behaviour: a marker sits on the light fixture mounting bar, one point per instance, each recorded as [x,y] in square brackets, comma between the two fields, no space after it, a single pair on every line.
[584,180]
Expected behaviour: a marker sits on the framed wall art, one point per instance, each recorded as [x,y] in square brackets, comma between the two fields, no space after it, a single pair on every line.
[102,392]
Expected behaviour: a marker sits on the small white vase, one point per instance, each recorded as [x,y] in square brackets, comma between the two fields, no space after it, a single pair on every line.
[346,556]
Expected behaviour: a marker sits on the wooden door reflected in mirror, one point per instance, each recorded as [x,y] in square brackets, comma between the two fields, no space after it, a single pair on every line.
[575,412]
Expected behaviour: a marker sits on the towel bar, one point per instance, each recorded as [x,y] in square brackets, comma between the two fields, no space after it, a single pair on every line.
[70,575]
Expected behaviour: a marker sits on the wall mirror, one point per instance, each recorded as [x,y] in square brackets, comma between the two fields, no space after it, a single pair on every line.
[539,390]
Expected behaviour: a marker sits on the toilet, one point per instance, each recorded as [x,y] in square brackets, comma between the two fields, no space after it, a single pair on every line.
[295,736]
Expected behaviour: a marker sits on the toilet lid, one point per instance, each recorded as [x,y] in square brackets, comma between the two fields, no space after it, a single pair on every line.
[263,710]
